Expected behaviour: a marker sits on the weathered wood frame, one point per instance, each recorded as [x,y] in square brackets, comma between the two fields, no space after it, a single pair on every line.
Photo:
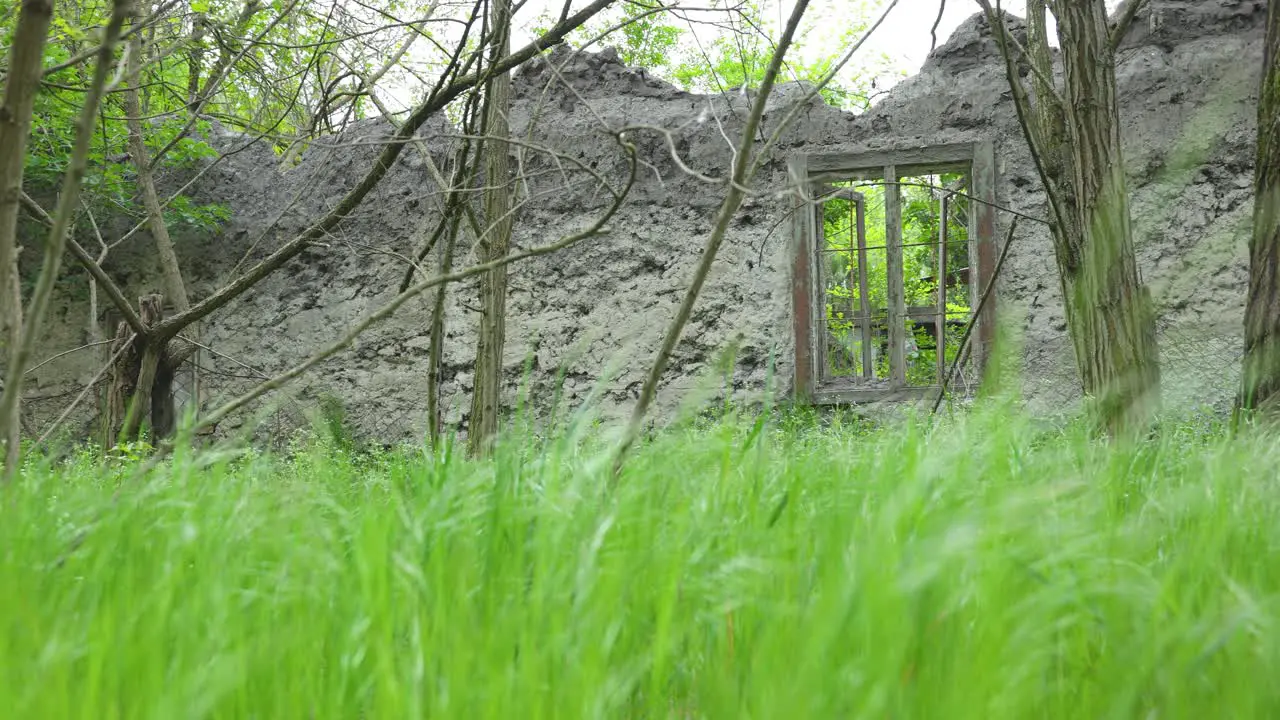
[809,172]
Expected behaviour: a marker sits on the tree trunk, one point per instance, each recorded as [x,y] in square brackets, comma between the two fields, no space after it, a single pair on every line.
[174,286]
[1055,151]
[1260,380]
[1109,309]
[453,213]
[68,204]
[15,126]
[486,397]
[1075,140]
[140,396]
[195,59]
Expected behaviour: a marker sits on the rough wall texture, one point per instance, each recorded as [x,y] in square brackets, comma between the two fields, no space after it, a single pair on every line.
[592,316]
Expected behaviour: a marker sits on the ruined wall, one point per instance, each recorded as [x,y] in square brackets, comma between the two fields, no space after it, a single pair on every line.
[593,315]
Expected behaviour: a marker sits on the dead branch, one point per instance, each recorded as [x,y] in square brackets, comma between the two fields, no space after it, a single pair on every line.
[82,256]
[386,159]
[97,378]
[226,357]
[973,319]
[744,167]
[1022,103]
[1121,26]
[933,31]
[65,353]
[391,307]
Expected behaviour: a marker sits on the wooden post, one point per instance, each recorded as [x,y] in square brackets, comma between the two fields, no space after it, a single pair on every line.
[897,293]
[941,327]
[982,232]
[801,283]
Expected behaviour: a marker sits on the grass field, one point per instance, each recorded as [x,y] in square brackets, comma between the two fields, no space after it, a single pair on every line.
[978,569]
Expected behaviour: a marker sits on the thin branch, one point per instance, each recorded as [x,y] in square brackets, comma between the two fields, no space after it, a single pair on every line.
[826,79]
[744,167]
[85,259]
[380,167]
[64,353]
[391,307]
[85,392]
[1124,22]
[1039,64]
[933,31]
[977,312]
[957,193]
[549,151]
[808,202]
[225,356]
[1035,143]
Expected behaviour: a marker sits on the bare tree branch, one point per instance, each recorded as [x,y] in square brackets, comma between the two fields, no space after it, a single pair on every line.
[65,353]
[933,31]
[973,318]
[744,167]
[1022,104]
[82,256]
[66,412]
[390,308]
[1121,26]
[386,159]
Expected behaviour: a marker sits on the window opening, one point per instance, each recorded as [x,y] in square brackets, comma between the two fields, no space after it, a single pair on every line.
[884,288]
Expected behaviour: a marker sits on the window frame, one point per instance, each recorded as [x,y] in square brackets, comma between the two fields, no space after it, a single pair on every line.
[811,171]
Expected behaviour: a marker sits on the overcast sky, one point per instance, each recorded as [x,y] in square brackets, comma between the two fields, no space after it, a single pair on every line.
[905,34]
[903,39]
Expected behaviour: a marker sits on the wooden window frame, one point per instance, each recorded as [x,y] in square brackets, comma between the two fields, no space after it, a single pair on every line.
[811,171]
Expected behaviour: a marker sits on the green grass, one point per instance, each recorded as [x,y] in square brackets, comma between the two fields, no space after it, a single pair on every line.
[976,570]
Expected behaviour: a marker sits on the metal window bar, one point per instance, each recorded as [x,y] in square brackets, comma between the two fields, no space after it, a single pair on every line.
[930,243]
[823,359]
[864,306]
[940,331]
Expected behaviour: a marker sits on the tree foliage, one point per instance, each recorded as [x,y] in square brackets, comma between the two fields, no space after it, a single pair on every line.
[921,219]
[730,48]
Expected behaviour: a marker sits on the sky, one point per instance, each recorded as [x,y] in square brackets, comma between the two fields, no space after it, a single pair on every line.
[905,33]
[895,51]
[903,39]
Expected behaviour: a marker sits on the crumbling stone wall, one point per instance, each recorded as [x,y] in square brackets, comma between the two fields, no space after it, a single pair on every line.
[591,317]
